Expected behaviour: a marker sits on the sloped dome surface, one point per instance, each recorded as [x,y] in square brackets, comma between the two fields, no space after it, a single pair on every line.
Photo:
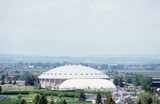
[99,84]
[73,72]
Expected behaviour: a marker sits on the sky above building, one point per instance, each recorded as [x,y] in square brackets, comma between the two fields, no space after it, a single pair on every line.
[80,27]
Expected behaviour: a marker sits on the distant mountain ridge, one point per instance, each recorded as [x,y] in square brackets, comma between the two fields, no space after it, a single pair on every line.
[96,59]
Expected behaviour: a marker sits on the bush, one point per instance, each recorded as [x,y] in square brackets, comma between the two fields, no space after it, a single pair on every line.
[23,101]
[99,99]
[82,96]
[43,100]
[14,92]
[36,99]
[0,89]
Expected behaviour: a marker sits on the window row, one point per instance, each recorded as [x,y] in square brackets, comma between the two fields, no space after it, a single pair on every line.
[73,74]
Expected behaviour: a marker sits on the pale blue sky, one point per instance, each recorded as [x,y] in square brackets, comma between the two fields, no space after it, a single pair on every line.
[80,27]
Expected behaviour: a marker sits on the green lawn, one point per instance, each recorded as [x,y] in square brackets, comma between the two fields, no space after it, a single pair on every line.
[29,98]
[28,93]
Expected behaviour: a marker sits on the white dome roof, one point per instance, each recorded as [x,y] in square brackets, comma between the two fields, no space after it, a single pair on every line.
[88,84]
[73,72]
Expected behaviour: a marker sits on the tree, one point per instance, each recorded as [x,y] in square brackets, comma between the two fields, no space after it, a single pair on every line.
[14,82]
[19,97]
[149,100]
[145,98]
[64,101]
[116,81]
[36,99]
[139,102]
[110,100]
[37,83]
[29,78]
[10,81]
[145,82]
[23,101]
[2,79]
[119,81]
[99,99]
[0,89]
[43,100]
[52,100]
[82,97]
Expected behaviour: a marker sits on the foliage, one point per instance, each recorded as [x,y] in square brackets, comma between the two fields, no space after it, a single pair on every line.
[119,81]
[52,100]
[2,79]
[29,78]
[9,101]
[19,96]
[62,101]
[99,99]
[145,82]
[14,82]
[10,81]
[0,89]
[43,100]
[36,99]
[23,101]
[110,100]
[145,98]
[82,97]
[14,92]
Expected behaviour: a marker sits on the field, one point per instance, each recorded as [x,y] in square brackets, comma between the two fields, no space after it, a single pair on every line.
[14,93]
[29,99]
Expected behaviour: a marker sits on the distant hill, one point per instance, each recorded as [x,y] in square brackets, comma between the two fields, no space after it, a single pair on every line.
[96,59]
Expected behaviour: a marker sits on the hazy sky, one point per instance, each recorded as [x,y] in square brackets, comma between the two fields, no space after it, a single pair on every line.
[79,27]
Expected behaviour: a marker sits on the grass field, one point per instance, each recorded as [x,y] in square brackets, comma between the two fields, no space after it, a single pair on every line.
[28,93]
[29,98]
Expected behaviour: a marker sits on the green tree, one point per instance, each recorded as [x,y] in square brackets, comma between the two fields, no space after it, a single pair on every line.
[29,78]
[2,79]
[110,100]
[52,100]
[43,100]
[14,82]
[19,97]
[36,99]
[10,81]
[119,81]
[116,81]
[145,82]
[99,99]
[23,101]
[0,89]
[145,98]
[82,97]
[139,102]
[64,101]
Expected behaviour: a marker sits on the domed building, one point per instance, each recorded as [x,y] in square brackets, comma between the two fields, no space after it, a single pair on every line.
[72,77]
